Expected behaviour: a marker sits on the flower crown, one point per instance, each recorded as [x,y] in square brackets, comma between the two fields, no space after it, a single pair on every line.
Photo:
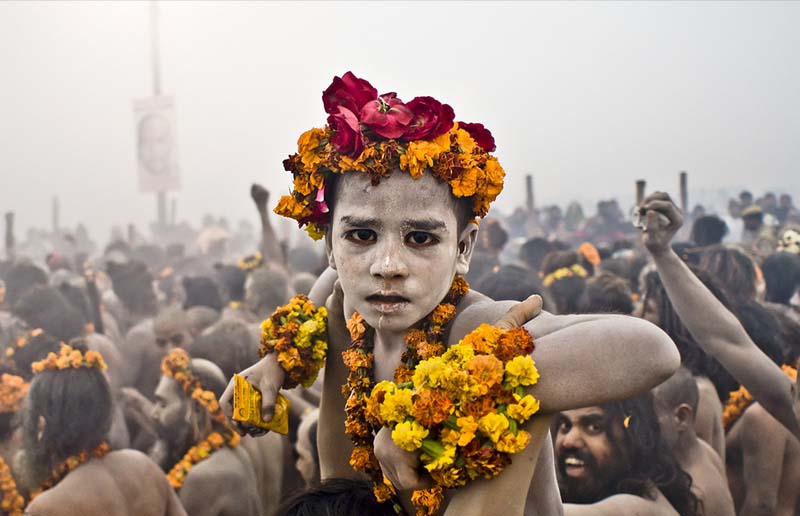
[376,134]
[69,358]
[565,272]
[12,391]
[176,365]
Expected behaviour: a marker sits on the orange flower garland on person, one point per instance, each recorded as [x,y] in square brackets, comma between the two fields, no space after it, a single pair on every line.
[176,365]
[741,399]
[69,464]
[12,503]
[359,359]
[12,393]
[19,343]
[297,332]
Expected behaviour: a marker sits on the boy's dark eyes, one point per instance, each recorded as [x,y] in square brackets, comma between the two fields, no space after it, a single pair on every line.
[361,235]
[421,238]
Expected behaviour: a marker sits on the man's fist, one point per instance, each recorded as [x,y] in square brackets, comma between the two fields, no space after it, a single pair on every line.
[662,219]
[259,194]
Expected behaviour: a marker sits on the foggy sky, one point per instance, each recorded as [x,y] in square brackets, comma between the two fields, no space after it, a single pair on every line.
[587,97]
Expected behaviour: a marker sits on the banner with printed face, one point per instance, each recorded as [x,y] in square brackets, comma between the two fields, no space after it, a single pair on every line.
[156,144]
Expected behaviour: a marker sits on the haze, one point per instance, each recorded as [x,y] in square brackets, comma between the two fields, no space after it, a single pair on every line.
[587,97]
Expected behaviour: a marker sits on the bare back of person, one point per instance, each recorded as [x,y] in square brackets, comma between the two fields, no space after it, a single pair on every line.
[123,483]
[709,484]
[268,471]
[624,505]
[708,420]
[763,465]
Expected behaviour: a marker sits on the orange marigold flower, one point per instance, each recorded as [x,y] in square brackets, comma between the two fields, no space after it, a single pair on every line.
[427,501]
[356,326]
[290,359]
[443,314]
[415,337]
[450,477]
[362,458]
[403,374]
[431,407]
[354,359]
[428,350]
[487,369]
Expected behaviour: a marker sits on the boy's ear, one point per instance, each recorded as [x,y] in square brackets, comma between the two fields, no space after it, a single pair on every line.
[466,245]
[329,248]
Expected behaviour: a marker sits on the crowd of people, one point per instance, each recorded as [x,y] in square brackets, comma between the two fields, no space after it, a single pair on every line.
[666,347]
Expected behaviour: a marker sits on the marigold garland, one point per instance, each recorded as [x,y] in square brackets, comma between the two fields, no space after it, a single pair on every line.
[297,332]
[12,503]
[414,414]
[12,392]
[377,135]
[176,365]
[69,358]
[740,399]
[251,262]
[564,272]
[69,464]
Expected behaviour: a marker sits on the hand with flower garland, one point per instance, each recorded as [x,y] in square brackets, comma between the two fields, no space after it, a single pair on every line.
[402,467]
[715,329]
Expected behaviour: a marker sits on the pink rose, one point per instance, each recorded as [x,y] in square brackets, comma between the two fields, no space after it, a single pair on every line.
[348,91]
[387,116]
[480,134]
[347,138]
[431,119]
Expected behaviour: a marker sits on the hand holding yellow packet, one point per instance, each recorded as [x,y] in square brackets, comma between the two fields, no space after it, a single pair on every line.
[247,407]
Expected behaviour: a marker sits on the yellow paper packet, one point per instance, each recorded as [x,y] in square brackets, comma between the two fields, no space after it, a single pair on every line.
[247,407]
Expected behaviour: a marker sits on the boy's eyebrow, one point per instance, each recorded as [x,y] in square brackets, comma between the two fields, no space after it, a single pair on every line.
[425,224]
[359,222]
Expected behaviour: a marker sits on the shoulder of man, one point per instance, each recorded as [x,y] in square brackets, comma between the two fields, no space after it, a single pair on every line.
[632,505]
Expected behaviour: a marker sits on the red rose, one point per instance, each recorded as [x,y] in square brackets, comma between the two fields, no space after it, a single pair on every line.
[431,119]
[480,134]
[387,116]
[348,91]
[347,138]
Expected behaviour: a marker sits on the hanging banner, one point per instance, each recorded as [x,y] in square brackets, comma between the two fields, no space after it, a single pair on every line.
[156,144]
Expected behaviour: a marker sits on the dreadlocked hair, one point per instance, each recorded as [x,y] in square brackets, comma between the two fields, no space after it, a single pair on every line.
[651,463]
[692,356]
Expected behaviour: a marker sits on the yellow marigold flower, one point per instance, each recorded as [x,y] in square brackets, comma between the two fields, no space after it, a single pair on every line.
[494,177]
[419,155]
[437,456]
[396,406]
[63,362]
[314,231]
[449,436]
[307,146]
[289,207]
[466,184]
[459,354]
[483,339]
[408,435]
[319,350]
[493,425]
[521,371]
[524,408]
[428,372]
[467,428]
[465,141]
[510,443]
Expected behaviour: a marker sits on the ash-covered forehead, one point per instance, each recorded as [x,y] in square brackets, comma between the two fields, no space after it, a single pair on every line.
[398,191]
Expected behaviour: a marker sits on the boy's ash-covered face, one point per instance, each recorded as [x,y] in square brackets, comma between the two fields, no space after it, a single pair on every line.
[395,247]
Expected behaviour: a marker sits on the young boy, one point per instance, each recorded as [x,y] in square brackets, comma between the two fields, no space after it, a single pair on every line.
[395,188]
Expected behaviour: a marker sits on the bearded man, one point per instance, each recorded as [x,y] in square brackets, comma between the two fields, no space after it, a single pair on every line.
[67,463]
[611,461]
[398,228]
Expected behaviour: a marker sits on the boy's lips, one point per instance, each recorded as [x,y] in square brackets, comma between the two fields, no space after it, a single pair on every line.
[387,302]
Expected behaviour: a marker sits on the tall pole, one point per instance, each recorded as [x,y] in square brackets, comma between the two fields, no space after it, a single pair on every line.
[530,203]
[55,214]
[161,197]
[684,192]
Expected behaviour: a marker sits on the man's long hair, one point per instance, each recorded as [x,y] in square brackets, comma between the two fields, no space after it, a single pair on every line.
[76,405]
[651,463]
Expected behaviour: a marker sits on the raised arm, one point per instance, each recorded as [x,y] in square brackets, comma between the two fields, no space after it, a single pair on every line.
[715,329]
[270,247]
